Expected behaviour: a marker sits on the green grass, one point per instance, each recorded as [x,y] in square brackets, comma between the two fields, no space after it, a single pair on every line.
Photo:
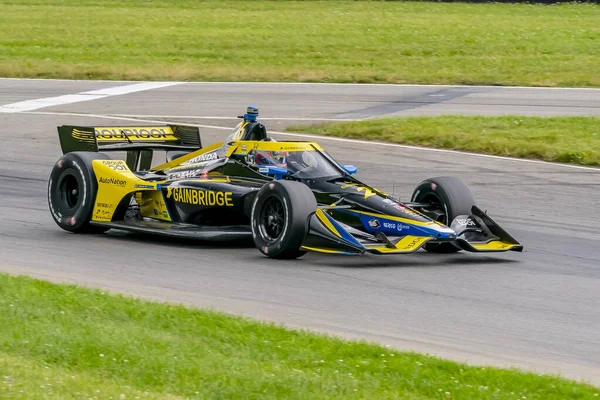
[64,342]
[574,140]
[331,41]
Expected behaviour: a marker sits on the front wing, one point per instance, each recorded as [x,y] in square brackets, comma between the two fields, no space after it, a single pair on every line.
[330,236]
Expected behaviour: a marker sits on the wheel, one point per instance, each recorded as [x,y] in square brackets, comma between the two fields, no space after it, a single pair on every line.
[280,218]
[72,189]
[449,197]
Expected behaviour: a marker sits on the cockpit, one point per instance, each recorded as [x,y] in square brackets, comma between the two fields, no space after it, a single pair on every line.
[300,162]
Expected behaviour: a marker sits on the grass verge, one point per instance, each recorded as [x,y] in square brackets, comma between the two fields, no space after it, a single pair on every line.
[574,140]
[313,41]
[60,341]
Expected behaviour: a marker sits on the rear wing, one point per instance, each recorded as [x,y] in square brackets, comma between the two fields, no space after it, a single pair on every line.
[138,141]
[115,138]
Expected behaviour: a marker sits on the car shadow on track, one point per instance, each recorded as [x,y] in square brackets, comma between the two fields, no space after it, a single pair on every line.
[420,259]
[188,243]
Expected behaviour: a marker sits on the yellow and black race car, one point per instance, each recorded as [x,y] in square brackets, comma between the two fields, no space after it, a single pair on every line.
[290,197]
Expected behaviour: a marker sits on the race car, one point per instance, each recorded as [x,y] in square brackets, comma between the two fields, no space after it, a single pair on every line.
[290,197]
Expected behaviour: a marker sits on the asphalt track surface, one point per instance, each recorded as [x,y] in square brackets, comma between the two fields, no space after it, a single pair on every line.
[538,310]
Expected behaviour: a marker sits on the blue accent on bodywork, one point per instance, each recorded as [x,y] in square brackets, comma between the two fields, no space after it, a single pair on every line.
[397,228]
[345,235]
[349,168]
[389,227]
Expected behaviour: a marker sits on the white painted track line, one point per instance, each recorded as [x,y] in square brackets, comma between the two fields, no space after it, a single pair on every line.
[29,105]
[234,117]
[334,139]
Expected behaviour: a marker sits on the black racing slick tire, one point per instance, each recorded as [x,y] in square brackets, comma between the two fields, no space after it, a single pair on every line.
[449,197]
[72,190]
[280,218]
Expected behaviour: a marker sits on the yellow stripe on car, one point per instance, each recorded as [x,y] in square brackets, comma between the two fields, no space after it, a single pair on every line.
[246,146]
[407,244]
[152,205]
[326,222]
[187,157]
[399,219]
[240,132]
[319,250]
[494,245]
[115,181]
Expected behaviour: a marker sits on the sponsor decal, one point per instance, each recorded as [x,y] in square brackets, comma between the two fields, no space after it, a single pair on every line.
[359,189]
[160,204]
[292,148]
[114,181]
[396,226]
[135,133]
[374,224]
[203,157]
[105,205]
[86,136]
[165,214]
[263,170]
[414,242]
[139,186]
[115,165]
[185,166]
[184,174]
[465,222]
[102,213]
[201,197]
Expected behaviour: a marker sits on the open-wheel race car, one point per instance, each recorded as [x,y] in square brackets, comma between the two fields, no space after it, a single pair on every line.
[290,197]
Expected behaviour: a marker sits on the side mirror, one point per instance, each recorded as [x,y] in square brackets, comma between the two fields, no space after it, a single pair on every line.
[350,168]
[277,172]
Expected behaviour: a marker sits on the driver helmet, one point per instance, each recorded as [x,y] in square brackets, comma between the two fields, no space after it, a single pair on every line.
[273,158]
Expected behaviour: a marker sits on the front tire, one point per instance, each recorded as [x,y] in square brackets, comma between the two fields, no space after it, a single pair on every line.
[72,190]
[280,218]
[449,197]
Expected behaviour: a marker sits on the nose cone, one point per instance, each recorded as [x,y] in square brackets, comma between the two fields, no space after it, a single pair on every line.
[443,232]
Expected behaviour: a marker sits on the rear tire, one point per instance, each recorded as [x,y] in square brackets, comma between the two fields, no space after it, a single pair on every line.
[72,190]
[451,198]
[280,218]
